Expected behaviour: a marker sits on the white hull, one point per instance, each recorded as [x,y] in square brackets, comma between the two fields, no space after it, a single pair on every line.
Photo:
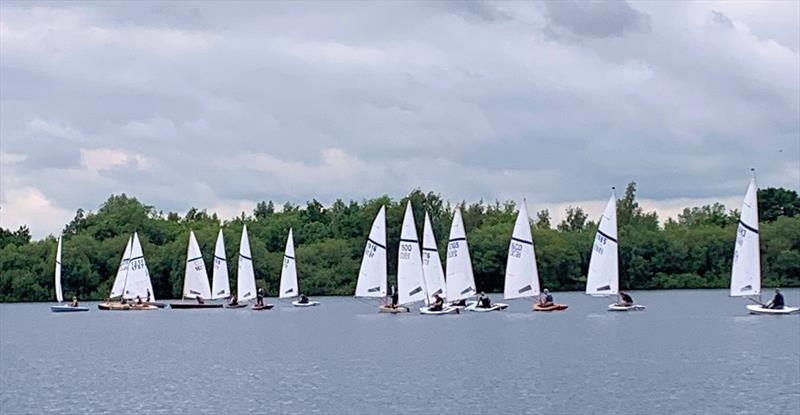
[617,307]
[445,310]
[494,307]
[758,309]
[308,304]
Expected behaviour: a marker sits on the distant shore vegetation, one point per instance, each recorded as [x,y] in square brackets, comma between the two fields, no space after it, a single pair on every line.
[692,251]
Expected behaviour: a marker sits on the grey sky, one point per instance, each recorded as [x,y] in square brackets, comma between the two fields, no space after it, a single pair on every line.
[221,105]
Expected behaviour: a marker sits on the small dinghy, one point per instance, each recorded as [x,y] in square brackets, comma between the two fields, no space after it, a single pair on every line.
[186,306]
[115,306]
[494,307]
[759,309]
[66,308]
[308,304]
[554,307]
[195,279]
[262,307]
[393,310]
[460,281]
[132,282]
[235,305]
[445,310]
[633,307]
[372,276]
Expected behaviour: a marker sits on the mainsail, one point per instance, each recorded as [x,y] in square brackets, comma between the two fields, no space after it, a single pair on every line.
[746,270]
[522,276]
[137,279]
[119,280]
[289,286]
[410,284]
[372,275]
[246,277]
[431,264]
[59,294]
[195,279]
[603,278]
[221,286]
[460,279]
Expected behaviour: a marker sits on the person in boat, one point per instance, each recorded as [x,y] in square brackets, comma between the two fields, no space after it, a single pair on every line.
[438,303]
[484,301]
[625,299]
[546,299]
[260,297]
[200,300]
[395,297]
[123,300]
[233,300]
[148,296]
[303,299]
[74,301]
[460,303]
[777,302]
[138,300]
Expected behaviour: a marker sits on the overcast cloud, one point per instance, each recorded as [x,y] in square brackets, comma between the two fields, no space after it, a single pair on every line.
[222,105]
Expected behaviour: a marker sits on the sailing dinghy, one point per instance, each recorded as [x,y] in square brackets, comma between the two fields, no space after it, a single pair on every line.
[746,269]
[432,272]
[289,287]
[195,279]
[372,274]
[603,278]
[220,286]
[136,289]
[65,308]
[246,277]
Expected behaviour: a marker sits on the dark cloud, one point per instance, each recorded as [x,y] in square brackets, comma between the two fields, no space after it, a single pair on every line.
[596,18]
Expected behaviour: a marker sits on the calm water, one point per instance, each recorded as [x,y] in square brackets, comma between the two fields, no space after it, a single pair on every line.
[690,352]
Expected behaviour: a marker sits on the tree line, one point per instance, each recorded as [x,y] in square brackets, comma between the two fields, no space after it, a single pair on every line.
[692,251]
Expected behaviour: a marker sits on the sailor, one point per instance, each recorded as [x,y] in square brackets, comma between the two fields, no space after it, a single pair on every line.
[460,303]
[546,299]
[138,300]
[148,295]
[395,297]
[483,301]
[438,303]
[303,299]
[200,300]
[625,299]
[233,300]
[777,302]
[74,301]
[260,297]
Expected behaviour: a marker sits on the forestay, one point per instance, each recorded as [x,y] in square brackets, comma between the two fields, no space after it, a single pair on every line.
[221,286]
[460,279]
[246,277]
[410,282]
[59,294]
[122,271]
[603,278]
[522,276]
[746,270]
[289,286]
[372,275]
[137,279]
[195,279]
[431,264]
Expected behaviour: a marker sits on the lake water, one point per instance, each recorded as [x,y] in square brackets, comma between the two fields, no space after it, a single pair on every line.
[690,352]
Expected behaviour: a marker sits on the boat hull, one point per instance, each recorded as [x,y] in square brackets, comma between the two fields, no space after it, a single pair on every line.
[236,305]
[125,307]
[758,309]
[262,307]
[186,306]
[446,310]
[393,310]
[308,304]
[67,309]
[554,307]
[634,307]
[494,307]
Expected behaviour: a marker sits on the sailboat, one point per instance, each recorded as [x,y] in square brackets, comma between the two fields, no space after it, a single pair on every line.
[522,275]
[746,269]
[372,274]
[65,308]
[220,286]
[195,279]
[137,290]
[246,277]
[603,278]
[432,271]
[289,287]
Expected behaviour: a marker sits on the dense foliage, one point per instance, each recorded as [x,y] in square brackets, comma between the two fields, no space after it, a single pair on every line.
[693,251]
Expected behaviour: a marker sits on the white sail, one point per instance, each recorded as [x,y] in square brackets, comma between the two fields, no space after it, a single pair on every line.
[246,277]
[522,276]
[195,278]
[603,278]
[289,286]
[59,294]
[221,286]
[746,271]
[431,264]
[372,275]
[119,280]
[137,279]
[410,282]
[460,279]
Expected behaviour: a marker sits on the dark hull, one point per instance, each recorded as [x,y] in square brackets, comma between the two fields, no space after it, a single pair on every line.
[185,306]
[264,307]
[236,306]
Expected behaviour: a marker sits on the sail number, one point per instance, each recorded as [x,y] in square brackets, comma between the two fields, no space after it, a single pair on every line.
[516,250]
[370,250]
[405,250]
[452,249]
[426,258]
[137,264]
